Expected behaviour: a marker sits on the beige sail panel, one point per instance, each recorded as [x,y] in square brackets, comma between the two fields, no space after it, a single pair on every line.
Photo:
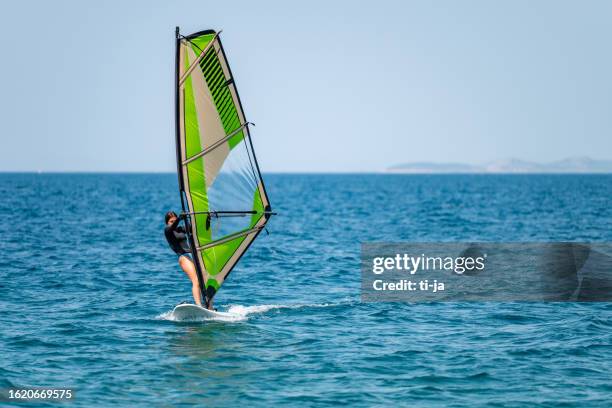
[209,123]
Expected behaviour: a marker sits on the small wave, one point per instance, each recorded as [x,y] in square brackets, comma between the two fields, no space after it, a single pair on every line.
[257,309]
[238,313]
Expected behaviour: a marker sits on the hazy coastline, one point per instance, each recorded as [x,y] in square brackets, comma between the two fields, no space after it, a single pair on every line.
[569,165]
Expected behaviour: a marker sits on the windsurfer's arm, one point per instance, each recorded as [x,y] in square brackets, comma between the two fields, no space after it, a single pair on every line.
[177,230]
[179,233]
[174,224]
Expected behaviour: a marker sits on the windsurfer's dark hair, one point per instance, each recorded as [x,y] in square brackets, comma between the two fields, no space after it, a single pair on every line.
[170,214]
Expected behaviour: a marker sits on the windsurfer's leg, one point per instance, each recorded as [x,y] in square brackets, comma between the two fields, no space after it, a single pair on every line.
[189,268]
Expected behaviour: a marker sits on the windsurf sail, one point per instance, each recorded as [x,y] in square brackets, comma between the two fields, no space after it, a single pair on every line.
[222,191]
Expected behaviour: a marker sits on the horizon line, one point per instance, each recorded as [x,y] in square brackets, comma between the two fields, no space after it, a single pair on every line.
[379,172]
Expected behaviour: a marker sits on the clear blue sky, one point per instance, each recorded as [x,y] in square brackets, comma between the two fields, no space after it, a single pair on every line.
[331,85]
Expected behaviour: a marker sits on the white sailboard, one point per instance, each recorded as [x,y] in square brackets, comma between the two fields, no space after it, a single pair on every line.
[191,312]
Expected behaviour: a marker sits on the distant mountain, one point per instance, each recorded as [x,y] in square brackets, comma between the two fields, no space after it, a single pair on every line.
[569,165]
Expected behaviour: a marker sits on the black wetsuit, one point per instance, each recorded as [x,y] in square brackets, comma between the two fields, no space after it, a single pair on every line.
[177,238]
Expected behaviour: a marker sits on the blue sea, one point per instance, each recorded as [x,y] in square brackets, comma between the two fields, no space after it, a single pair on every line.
[87,282]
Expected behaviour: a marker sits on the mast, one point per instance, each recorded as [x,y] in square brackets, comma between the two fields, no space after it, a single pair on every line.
[177,129]
[179,164]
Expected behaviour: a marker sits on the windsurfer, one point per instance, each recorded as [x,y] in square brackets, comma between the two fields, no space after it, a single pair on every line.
[177,240]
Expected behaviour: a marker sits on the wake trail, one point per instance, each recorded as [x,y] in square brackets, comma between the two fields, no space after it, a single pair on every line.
[241,313]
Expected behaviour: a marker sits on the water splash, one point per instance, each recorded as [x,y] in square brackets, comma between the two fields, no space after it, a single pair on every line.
[245,311]
[238,313]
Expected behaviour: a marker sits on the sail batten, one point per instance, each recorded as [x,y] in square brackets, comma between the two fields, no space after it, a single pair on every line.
[218,170]
[229,238]
[215,145]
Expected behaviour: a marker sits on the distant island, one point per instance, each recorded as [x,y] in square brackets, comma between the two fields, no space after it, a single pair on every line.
[569,165]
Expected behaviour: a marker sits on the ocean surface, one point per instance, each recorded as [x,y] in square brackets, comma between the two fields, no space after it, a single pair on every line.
[87,283]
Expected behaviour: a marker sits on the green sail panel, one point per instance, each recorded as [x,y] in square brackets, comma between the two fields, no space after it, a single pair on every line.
[221,186]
